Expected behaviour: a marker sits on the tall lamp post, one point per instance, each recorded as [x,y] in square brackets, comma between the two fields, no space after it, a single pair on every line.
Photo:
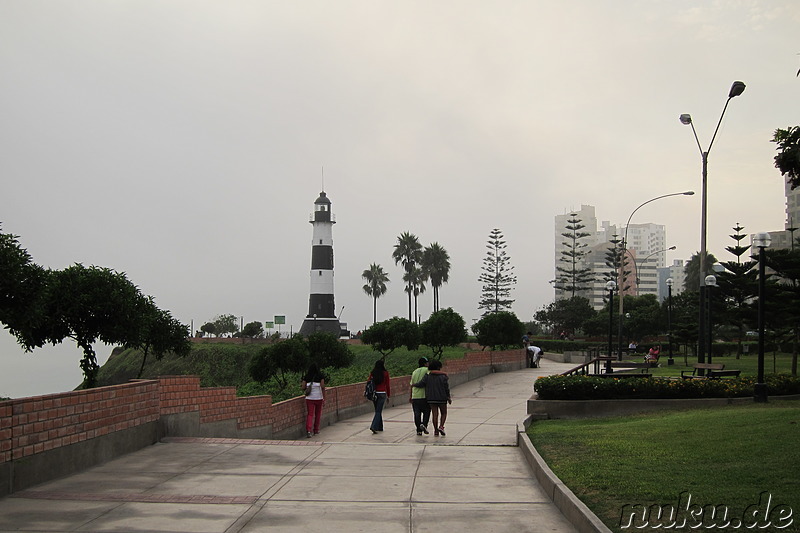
[610,286]
[670,361]
[624,247]
[641,264]
[711,281]
[761,241]
[736,89]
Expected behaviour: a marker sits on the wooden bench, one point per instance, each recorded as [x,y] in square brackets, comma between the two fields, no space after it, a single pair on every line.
[712,371]
[623,375]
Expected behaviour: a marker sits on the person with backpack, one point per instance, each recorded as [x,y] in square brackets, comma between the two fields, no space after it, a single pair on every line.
[419,404]
[437,392]
[383,391]
[314,387]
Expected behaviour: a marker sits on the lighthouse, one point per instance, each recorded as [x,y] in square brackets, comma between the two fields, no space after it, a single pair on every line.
[321,308]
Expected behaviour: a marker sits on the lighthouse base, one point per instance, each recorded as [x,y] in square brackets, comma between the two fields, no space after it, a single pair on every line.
[322,325]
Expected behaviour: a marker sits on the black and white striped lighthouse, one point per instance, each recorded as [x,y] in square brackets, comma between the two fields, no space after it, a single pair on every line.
[321,308]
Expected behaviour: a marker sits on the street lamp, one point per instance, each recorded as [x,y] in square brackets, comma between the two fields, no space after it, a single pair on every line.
[641,264]
[761,241]
[711,281]
[624,245]
[670,361]
[610,286]
[736,89]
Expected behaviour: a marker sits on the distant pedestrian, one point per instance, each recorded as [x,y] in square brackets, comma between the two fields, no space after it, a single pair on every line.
[314,389]
[533,354]
[383,389]
[419,404]
[437,392]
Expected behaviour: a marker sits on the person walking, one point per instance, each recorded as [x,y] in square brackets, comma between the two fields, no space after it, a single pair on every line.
[437,392]
[419,404]
[314,388]
[383,389]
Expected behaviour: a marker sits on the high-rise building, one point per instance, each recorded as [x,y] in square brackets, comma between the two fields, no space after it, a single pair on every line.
[646,253]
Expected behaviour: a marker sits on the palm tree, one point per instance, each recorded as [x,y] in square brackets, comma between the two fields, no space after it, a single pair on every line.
[436,262]
[408,252]
[416,285]
[376,280]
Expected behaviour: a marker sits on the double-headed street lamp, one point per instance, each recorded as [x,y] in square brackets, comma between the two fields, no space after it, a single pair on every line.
[621,273]
[736,89]
[761,241]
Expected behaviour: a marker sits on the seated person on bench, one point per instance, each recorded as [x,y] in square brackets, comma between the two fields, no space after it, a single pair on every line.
[534,353]
[652,355]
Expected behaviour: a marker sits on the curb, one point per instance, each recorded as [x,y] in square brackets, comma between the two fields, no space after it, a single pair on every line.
[564,499]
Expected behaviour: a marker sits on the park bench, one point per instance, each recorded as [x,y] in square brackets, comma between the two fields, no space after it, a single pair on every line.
[623,375]
[631,364]
[712,371]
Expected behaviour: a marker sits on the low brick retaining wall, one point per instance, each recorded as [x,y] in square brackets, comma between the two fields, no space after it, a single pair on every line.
[45,437]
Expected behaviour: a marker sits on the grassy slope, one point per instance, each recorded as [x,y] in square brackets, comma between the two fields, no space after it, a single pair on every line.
[726,455]
[227,364]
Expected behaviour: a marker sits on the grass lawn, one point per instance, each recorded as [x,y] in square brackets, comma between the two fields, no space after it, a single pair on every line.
[774,363]
[720,456]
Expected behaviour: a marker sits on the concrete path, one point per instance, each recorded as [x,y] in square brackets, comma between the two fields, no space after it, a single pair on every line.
[345,479]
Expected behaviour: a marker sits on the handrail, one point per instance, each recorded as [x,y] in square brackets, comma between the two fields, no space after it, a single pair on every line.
[584,368]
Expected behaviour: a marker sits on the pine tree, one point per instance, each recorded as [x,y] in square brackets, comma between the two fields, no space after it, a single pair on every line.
[574,276]
[738,284]
[497,276]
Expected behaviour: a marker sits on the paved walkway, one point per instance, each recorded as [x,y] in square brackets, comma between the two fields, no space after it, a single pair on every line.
[345,479]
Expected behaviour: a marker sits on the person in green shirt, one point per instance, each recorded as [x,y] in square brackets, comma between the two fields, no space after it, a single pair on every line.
[422,411]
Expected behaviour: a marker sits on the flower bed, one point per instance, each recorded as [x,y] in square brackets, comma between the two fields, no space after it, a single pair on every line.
[601,388]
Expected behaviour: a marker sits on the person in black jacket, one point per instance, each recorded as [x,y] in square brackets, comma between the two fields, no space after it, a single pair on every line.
[437,392]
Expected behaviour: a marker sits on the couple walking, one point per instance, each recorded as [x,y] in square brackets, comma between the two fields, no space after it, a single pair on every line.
[430,394]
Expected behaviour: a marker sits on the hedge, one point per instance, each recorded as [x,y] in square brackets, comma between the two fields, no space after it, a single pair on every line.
[602,388]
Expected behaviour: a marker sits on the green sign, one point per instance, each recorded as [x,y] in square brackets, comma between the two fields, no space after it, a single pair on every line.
[280,319]
[269,325]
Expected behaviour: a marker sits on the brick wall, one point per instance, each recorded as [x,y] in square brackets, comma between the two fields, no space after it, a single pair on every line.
[30,426]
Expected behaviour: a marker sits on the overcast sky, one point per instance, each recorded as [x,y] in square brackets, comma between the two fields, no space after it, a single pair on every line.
[183,142]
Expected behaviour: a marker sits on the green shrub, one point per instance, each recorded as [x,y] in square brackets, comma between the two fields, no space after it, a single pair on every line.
[601,388]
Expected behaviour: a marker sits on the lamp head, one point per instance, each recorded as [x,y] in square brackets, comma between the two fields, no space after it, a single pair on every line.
[689,193]
[670,282]
[711,281]
[736,89]
[762,240]
[611,285]
[686,119]
[671,247]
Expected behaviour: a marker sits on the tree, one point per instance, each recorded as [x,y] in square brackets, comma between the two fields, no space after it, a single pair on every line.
[159,333]
[568,314]
[375,287]
[738,284]
[788,158]
[692,270]
[385,337]
[497,276]
[253,330]
[408,252]
[326,350]
[209,328]
[785,296]
[225,324]
[416,283]
[499,329]
[436,263]
[684,318]
[574,277]
[443,328]
[21,284]
[280,360]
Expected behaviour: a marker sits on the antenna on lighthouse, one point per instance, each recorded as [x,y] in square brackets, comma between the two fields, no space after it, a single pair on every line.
[323,178]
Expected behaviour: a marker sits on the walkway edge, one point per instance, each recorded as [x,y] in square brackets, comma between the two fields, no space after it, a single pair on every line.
[564,499]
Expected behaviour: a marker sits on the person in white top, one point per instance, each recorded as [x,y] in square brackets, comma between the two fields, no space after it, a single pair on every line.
[314,388]
[534,353]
